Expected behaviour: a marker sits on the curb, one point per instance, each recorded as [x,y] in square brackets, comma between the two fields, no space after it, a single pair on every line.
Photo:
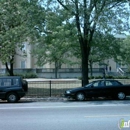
[48,99]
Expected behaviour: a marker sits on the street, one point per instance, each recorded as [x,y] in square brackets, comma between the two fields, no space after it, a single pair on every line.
[66,115]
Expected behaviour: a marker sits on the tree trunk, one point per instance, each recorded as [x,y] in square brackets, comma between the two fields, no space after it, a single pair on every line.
[85,79]
[56,69]
[10,70]
[85,38]
[91,70]
[85,57]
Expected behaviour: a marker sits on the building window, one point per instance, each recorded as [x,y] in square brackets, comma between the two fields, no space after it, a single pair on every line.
[23,64]
[23,47]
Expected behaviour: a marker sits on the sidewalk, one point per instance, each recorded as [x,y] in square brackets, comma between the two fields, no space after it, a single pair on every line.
[63,99]
[54,99]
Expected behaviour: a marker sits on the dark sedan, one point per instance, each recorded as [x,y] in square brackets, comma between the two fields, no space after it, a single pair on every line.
[100,88]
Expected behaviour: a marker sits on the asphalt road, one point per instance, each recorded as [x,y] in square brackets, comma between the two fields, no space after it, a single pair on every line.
[66,115]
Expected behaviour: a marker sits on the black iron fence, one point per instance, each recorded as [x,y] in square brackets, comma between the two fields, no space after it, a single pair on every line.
[50,88]
[55,88]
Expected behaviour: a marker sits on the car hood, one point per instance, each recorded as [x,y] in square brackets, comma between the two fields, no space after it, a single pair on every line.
[77,89]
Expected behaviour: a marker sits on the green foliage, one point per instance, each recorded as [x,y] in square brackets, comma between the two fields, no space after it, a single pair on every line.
[62,29]
[86,18]
[103,47]
[91,77]
[11,28]
[23,75]
[30,75]
[56,43]
[27,75]
[124,56]
[18,21]
[122,77]
[110,77]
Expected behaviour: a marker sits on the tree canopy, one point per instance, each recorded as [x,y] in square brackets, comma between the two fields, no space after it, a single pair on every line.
[124,56]
[61,28]
[16,26]
[88,17]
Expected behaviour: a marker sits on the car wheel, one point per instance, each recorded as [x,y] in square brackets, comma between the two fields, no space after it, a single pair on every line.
[12,97]
[80,96]
[121,95]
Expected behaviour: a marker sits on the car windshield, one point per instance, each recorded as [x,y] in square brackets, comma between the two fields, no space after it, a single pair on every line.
[88,85]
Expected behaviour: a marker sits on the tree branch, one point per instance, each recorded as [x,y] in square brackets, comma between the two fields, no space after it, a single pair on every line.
[78,20]
[65,7]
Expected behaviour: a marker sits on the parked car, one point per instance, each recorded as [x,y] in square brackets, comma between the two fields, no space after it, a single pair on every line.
[12,88]
[100,88]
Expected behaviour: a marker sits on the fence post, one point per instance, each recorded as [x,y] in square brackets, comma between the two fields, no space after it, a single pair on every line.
[50,88]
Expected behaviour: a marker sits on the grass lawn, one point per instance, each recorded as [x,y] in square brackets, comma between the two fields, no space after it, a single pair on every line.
[53,88]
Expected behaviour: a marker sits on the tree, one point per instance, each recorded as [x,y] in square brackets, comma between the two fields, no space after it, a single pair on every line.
[104,47]
[124,56]
[89,16]
[54,44]
[16,27]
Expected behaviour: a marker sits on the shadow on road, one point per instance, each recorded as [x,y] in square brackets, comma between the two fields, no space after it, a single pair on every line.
[21,101]
[100,101]
[96,101]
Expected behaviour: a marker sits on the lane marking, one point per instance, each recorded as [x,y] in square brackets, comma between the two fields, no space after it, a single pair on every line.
[107,116]
[59,106]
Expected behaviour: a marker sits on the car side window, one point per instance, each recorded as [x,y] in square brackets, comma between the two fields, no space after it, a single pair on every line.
[102,83]
[6,82]
[109,83]
[97,84]
[15,82]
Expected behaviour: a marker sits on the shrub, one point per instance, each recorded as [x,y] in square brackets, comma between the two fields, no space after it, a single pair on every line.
[30,75]
[91,77]
[98,77]
[122,77]
[27,75]
[110,77]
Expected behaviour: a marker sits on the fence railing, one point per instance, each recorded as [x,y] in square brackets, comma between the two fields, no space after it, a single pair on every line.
[50,88]
[55,88]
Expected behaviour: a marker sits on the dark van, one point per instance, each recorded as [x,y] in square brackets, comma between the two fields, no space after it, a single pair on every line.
[12,88]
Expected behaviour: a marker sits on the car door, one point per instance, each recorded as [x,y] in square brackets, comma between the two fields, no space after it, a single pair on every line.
[96,89]
[99,90]
[5,84]
[110,87]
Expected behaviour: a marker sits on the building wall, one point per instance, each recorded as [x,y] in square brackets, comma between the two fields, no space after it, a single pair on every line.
[24,58]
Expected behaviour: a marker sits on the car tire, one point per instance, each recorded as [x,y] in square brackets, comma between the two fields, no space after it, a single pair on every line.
[80,96]
[12,97]
[121,96]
